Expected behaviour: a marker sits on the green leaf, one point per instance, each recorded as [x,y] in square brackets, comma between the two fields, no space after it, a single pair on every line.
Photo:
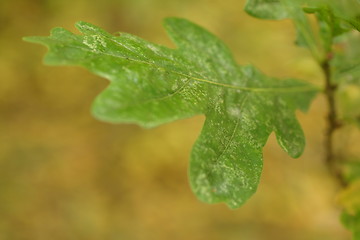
[346,72]
[151,85]
[352,222]
[346,61]
[335,17]
[333,22]
[349,197]
[292,9]
[347,10]
[351,170]
[267,9]
[349,101]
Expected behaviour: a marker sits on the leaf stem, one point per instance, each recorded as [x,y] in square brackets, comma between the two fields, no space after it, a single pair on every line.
[333,124]
[303,26]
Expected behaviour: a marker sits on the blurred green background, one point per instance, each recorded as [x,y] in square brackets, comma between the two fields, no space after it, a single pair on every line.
[66,176]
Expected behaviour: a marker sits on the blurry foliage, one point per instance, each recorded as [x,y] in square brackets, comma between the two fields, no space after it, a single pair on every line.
[349,199]
[349,94]
[64,175]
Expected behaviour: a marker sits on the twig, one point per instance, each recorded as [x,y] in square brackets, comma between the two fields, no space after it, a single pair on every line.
[332,124]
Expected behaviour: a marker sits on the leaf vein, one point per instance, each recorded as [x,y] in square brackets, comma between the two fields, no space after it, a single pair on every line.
[212,82]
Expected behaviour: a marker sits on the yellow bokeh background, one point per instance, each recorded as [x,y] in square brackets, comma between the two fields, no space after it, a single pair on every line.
[66,176]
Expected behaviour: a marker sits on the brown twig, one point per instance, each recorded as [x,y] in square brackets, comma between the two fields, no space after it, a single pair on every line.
[332,124]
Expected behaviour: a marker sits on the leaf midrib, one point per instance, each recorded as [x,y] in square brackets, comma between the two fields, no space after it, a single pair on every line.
[212,82]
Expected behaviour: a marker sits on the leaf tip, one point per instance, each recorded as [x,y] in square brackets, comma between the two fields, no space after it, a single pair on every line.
[37,40]
[34,39]
[170,22]
[28,39]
